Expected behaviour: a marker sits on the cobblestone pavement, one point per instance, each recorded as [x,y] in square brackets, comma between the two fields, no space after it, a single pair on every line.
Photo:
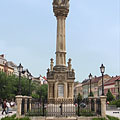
[115,113]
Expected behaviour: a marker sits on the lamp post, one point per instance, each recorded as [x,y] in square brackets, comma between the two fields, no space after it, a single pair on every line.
[102,69]
[30,78]
[20,69]
[90,78]
[118,88]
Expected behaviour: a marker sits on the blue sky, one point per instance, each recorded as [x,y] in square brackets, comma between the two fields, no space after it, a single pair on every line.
[28,35]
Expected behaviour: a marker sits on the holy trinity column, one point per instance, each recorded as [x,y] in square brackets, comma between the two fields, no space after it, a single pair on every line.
[60,77]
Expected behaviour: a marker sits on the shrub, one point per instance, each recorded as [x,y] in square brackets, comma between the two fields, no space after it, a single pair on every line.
[116,102]
[13,118]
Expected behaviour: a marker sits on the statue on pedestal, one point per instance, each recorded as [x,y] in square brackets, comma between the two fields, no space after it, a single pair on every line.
[61,3]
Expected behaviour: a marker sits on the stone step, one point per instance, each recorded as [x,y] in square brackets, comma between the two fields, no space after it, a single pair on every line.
[61,118]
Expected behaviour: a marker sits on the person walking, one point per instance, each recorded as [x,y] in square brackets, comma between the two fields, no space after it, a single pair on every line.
[4,107]
[8,106]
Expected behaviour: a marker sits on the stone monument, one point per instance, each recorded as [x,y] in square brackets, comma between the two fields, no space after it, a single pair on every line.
[60,77]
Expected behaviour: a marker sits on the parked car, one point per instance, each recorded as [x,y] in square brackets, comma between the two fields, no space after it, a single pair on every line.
[83,105]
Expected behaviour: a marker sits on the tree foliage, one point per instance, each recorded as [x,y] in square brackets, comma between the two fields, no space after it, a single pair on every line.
[79,97]
[41,92]
[110,97]
[9,86]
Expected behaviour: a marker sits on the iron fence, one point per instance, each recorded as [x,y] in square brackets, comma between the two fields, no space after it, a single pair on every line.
[23,107]
[64,108]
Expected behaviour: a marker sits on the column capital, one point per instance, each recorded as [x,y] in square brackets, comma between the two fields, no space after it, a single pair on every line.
[61,7]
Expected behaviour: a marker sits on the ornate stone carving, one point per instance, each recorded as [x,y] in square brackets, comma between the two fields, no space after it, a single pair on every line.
[71,75]
[61,7]
[60,68]
[61,3]
[50,75]
[60,77]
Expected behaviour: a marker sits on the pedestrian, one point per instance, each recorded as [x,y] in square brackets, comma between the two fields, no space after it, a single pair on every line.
[4,107]
[12,104]
[8,106]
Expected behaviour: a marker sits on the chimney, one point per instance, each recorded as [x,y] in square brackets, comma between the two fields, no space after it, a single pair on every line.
[2,55]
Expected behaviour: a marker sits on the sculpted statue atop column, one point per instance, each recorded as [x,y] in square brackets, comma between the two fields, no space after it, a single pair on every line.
[61,3]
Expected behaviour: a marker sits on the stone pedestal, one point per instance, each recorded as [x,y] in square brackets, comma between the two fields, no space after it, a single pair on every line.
[103,106]
[19,102]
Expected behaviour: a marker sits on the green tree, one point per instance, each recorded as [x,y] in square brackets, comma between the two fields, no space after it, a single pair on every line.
[42,91]
[9,86]
[79,97]
[110,97]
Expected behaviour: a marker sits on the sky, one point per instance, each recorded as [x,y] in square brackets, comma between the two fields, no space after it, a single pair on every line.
[28,35]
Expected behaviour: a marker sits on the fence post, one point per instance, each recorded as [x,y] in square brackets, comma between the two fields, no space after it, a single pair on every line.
[95,105]
[43,108]
[19,102]
[30,103]
[90,103]
[103,106]
[25,104]
[78,101]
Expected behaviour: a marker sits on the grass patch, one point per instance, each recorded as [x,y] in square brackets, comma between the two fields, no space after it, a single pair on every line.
[98,119]
[109,118]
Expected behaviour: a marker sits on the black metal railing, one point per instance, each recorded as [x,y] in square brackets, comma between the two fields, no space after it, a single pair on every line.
[64,108]
[28,104]
[23,107]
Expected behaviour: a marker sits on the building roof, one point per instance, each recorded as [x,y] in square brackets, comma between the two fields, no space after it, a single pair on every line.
[112,80]
[94,80]
[10,63]
[78,85]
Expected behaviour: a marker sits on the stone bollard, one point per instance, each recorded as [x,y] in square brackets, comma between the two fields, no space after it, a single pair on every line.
[19,102]
[103,106]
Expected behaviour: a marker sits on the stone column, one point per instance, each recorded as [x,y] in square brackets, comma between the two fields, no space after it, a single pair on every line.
[30,103]
[51,90]
[48,91]
[56,90]
[60,47]
[61,9]
[103,106]
[19,102]
[70,90]
[25,108]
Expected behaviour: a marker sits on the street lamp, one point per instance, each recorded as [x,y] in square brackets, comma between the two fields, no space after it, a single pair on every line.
[20,69]
[90,78]
[118,88]
[30,78]
[102,69]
